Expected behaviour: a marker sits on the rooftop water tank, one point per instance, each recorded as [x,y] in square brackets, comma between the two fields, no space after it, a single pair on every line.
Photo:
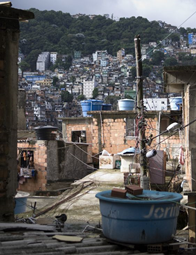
[106,107]
[139,219]
[126,104]
[45,132]
[91,105]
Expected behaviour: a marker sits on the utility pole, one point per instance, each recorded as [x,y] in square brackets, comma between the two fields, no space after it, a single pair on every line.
[144,180]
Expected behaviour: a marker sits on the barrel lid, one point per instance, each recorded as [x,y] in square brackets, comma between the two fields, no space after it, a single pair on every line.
[46,127]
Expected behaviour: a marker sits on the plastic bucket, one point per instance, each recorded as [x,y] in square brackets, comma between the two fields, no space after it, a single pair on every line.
[175,103]
[126,104]
[140,221]
[21,202]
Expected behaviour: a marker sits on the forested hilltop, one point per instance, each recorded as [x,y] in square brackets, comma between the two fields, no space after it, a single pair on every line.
[60,32]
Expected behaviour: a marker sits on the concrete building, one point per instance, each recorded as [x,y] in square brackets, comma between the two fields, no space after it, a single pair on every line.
[43,61]
[181,79]
[9,42]
[99,54]
[88,87]
[156,104]
[120,54]
[115,131]
[53,57]
[45,162]
[21,109]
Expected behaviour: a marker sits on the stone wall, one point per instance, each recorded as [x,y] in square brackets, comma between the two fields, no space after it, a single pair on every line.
[8,116]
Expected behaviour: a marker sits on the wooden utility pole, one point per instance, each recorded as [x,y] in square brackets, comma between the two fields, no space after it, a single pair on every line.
[140,107]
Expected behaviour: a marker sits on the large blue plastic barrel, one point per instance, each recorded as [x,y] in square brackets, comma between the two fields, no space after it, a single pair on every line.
[126,104]
[20,202]
[175,103]
[106,107]
[96,105]
[86,107]
[142,219]
[91,105]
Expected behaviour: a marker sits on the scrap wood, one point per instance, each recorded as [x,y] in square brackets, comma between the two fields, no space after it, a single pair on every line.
[64,200]
[11,226]
[71,239]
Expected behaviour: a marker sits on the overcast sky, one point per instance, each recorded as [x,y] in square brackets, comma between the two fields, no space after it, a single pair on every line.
[174,12]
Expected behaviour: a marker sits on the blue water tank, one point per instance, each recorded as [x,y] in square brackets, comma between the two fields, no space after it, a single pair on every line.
[106,107]
[86,107]
[142,219]
[126,104]
[20,202]
[175,103]
[96,105]
[91,105]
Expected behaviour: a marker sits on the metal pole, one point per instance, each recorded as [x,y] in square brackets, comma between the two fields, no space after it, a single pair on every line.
[140,108]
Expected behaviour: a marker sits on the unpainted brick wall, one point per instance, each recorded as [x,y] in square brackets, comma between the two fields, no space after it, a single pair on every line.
[40,165]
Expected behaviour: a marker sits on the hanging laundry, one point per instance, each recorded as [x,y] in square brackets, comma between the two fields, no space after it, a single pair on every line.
[181,156]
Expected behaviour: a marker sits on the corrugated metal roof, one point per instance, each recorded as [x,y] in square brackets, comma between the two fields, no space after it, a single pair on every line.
[29,240]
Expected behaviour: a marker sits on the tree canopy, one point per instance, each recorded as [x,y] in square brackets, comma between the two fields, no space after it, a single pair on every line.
[60,32]
[66,96]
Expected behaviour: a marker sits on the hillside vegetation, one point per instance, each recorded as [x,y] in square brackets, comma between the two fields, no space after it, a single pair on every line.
[60,32]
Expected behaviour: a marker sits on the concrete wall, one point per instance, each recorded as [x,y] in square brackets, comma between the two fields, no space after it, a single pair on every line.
[182,79]
[40,165]
[54,160]
[66,161]
[8,115]
[78,124]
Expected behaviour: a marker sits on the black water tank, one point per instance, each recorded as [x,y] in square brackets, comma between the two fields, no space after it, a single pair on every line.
[45,132]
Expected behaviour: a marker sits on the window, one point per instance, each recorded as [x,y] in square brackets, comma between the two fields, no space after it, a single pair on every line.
[78,136]
[130,127]
[26,159]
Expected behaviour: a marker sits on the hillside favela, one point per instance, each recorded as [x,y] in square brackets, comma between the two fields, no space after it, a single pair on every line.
[97,134]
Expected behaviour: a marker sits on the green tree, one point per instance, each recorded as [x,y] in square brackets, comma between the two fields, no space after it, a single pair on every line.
[170,62]
[133,72]
[24,66]
[157,57]
[81,97]
[146,70]
[113,100]
[66,96]
[95,92]
[55,80]
[175,37]
[32,58]
[56,31]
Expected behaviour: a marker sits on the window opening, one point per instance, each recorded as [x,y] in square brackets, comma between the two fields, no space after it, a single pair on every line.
[130,127]
[78,136]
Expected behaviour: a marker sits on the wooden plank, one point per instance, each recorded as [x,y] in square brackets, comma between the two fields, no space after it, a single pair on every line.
[11,226]
[72,239]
